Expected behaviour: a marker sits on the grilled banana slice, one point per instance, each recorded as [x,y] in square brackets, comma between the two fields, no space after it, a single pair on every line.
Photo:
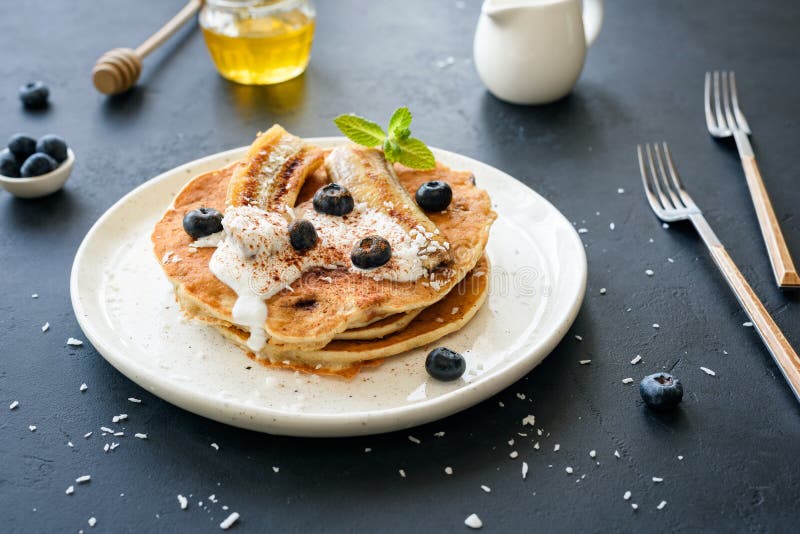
[273,171]
[372,180]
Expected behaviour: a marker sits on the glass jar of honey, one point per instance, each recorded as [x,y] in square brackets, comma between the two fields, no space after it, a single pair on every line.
[259,42]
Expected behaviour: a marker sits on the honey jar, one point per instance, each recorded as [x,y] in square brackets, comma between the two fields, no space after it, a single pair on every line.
[259,42]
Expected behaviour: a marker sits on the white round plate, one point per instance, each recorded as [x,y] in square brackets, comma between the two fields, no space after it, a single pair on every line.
[127,309]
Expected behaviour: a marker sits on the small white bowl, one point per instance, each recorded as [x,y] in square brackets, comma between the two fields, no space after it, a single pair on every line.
[39,186]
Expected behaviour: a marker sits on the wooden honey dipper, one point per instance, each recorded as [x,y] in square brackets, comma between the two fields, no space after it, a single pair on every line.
[117,70]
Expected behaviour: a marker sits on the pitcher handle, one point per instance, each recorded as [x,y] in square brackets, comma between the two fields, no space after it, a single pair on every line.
[592,19]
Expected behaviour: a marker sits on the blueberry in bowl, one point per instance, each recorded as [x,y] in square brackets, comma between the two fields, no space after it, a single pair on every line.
[434,195]
[52,145]
[661,391]
[445,364]
[22,146]
[371,252]
[333,199]
[9,166]
[37,164]
[202,222]
[34,95]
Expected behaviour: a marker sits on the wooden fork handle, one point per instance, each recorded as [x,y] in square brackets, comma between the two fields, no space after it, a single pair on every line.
[782,265]
[158,38]
[776,342]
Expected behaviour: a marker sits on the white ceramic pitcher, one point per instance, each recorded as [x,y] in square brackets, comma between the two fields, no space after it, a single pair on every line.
[532,51]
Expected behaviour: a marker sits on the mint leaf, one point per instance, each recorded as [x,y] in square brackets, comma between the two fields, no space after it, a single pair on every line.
[400,123]
[360,130]
[415,154]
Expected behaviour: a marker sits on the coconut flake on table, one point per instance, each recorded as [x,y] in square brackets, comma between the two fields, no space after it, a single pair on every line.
[627,380]
[708,371]
[83,478]
[486,488]
[70,490]
[32,428]
[592,453]
[513,454]
[140,435]
[473,521]
[439,434]
[92,521]
[658,479]
[627,495]
[616,453]
[413,439]
[569,470]
[448,470]
[661,505]
[45,327]
[584,362]
[529,420]
[183,502]
[83,387]
[215,446]
[578,338]
[229,521]
[402,472]
[135,400]
[13,405]
[524,470]
[611,226]
[556,447]
[74,342]
[649,272]
[275,469]
[636,359]
[747,324]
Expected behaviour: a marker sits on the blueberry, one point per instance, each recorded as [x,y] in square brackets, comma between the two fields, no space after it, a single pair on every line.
[302,235]
[37,165]
[22,146]
[34,95]
[661,391]
[9,166]
[371,252]
[445,364]
[202,222]
[333,199]
[53,146]
[434,196]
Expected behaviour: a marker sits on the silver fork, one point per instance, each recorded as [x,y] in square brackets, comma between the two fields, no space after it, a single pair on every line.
[671,202]
[724,118]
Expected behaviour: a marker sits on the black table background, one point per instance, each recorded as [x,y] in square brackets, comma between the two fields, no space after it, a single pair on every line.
[739,431]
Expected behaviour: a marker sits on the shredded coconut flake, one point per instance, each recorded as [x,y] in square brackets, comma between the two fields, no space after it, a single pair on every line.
[584,362]
[74,342]
[569,470]
[473,521]
[627,380]
[45,327]
[135,400]
[524,470]
[636,359]
[70,490]
[412,439]
[661,505]
[486,488]
[13,405]
[448,470]
[140,435]
[708,371]
[183,502]
[229,521]
[627,495]
[83,478]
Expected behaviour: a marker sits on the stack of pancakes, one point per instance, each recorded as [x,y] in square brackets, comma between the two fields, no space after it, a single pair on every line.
[333,319]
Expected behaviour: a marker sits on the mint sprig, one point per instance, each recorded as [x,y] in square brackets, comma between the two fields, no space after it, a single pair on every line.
[398,145]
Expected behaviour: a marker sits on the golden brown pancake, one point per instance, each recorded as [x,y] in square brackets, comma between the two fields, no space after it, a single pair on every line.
[323,303]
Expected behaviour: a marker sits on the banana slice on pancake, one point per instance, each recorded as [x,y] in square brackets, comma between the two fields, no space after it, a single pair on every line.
[273,171]
[372,179]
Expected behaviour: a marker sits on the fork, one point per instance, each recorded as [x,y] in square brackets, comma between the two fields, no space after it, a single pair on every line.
[671,202]
[724,118]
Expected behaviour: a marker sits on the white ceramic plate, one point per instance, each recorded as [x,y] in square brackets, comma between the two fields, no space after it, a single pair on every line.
[126,308]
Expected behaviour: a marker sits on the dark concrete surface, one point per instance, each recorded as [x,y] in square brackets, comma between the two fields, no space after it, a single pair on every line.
[739,432]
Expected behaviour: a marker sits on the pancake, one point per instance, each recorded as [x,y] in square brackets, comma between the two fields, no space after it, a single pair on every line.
[446,316]
[322,303]
[381,327]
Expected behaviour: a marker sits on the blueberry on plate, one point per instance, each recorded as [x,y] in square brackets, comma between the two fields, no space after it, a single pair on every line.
[661,391]
[52,145]
[37,165]
[34,95]
[371,252]
[434,196]
[302,235]
[445,364]
[9,166]
[333,199]
[202,222]
[22,146]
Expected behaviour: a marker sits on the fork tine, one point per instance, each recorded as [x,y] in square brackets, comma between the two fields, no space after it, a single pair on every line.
[648,185]
[665,181]
[718,105]
[711,123]
[726,102]
[676,179]
[662,197]
[735,99]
